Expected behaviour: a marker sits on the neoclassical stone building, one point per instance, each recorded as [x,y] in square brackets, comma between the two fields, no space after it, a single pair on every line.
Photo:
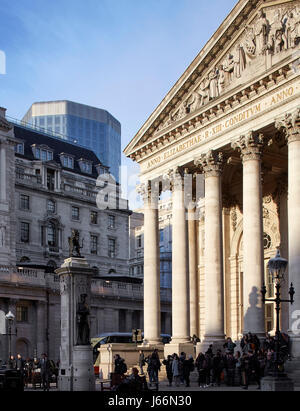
[49,187]
[232,119]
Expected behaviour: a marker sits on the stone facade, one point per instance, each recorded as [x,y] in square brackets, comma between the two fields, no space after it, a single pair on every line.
[232,118]
[41,202]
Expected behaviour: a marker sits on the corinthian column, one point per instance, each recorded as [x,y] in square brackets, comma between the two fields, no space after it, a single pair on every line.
[180,273]
[250,147]
[193,269]
[152,319]
[181,340]
[211,165]
[291,125]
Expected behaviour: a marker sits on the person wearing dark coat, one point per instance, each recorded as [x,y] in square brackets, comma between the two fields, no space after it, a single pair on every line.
[187,368]
[217,366]
[46,372]
[168,364]
[200,363]
[153,368]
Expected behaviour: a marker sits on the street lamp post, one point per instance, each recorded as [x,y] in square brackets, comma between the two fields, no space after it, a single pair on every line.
[277,267]
[10,319]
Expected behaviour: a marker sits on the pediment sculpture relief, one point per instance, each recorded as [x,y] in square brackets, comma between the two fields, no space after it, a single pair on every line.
[274,31]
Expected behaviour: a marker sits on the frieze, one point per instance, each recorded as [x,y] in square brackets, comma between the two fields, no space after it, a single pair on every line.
[225,124]
[273,32]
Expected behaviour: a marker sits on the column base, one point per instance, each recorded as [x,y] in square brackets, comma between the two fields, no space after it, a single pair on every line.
[178,347]
[216,342]
[80,376]
[277,383]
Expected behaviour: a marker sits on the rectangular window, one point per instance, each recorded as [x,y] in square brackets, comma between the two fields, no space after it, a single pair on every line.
[19,148]
[94,217]
[22,314]
[111,248]
[161,236]
[50,180]
[75,213]
[37,153]
[24,202]
[111,221]
[51,206]
[44,155]
[94,244]
[139,241]
[24,232]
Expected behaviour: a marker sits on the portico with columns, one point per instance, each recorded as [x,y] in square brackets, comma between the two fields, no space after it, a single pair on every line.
[232,123]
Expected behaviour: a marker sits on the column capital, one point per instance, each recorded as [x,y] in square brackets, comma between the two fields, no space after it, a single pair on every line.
[149,190]
[175,178]
[250,145]
[211,163]
[290,123]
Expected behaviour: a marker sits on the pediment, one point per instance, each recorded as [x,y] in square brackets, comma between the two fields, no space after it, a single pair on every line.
[256,36]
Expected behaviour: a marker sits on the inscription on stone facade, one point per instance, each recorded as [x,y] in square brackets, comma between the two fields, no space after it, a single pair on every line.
[227,123]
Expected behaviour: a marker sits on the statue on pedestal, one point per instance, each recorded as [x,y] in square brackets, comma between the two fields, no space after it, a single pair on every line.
[74,244]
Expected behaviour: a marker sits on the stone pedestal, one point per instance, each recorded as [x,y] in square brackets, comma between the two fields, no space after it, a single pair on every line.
[76,371]
[178,348]
[277,383]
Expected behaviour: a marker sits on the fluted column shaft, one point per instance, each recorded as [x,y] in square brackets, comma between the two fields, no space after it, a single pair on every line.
[192,235]
[253,250]
[152,319]
[211,165]
[180,274]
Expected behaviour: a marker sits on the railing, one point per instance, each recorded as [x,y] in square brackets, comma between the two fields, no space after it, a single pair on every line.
[100,287]
[31,179]
[80,191]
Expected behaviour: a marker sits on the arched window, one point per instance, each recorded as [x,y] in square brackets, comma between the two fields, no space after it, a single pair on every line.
[25,259]
[112,272]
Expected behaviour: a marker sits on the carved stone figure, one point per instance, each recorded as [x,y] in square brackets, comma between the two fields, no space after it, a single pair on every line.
[239,61]
[204,90]
[261,32]
[292,29]
[74,245]
[228,66]
[213,84]
[221,80]
[83,328]
[181,111]
[194,102]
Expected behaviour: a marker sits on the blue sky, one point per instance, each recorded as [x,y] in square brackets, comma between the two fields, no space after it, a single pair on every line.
[119,55]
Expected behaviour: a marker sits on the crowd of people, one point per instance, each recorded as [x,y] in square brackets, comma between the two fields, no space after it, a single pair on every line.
[34,371]
[241,364]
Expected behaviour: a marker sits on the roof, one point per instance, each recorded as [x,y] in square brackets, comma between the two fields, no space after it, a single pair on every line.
[31,137]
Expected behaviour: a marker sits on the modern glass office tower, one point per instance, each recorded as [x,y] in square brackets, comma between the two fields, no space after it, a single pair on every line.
[88,126]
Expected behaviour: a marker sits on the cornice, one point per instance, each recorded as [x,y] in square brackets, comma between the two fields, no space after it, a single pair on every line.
[213,47]
[216,48]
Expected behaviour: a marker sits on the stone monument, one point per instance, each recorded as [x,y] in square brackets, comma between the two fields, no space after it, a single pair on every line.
[76,371]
